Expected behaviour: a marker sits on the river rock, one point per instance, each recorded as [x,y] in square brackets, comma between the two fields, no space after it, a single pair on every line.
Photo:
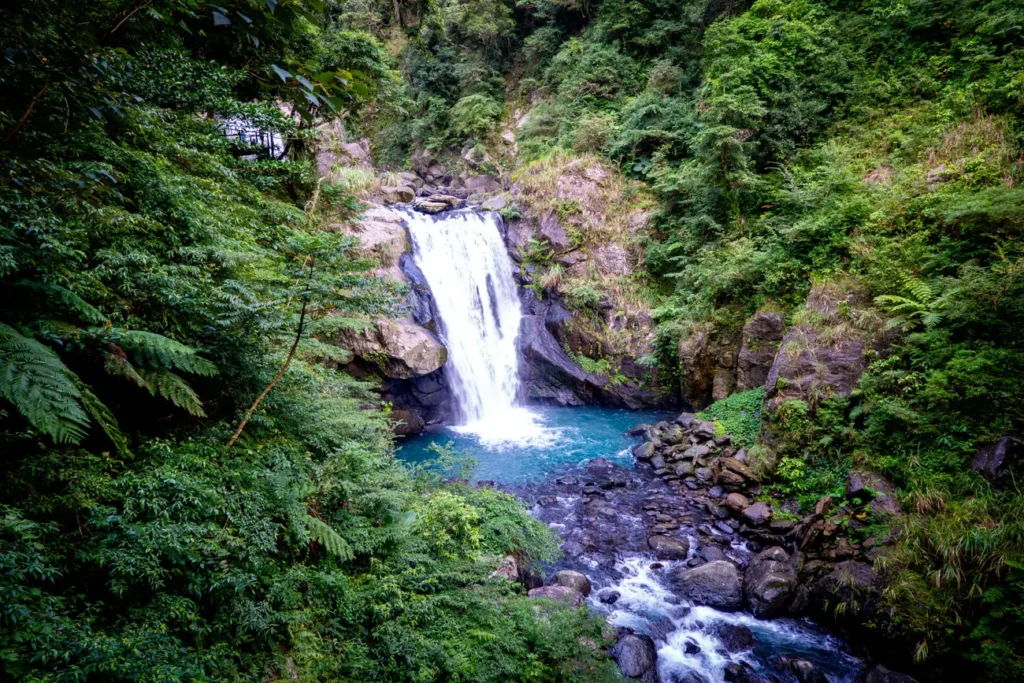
[769,583]
[804,670]
[685,420]
[636,656]
[669,548]
[735,637]
[482,184]
[880,674]
[757,514]
[737,502]
[558,594]
[876,489]
[644,451]
[574,580]
[715,584]
[704,429]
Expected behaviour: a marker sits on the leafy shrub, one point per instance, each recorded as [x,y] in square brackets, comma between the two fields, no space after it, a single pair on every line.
[473,115]
[738,415]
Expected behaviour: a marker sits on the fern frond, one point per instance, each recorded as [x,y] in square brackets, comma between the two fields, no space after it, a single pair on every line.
[102,416]
[322,533]
[919,289]
[157,351]
[120,367]
[35,380]
[170,386]
[65,298]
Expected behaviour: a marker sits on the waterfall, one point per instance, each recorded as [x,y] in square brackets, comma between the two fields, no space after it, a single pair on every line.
[463,258]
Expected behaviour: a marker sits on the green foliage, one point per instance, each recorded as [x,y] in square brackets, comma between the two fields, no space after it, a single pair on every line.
[473,115]
[738,415]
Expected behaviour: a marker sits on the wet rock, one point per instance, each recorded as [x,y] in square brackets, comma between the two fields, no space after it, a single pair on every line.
[804,670]
[558,594]
[547,501]
[644,451]
[574,580]
[880,674]
[740,672]
[406,422]
[757,514]
[635,655]
[689,676]
[715,584]
[735,637]
[737,502]
[696,452]
[548,373]
[668,548]
[704,475]
[769,583]
[711,553]
[672,435]
[608,597]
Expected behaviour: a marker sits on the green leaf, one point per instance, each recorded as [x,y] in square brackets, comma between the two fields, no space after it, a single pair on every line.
[38,384]
[282,74]
[220,20]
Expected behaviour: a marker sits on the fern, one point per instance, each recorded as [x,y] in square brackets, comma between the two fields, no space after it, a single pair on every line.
[41,387]
[923,306]
[65,298]
[102,416]
[157,351]
[170,386]
[333,543]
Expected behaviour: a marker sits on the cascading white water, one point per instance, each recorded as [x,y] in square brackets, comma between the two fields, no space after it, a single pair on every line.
[464,260]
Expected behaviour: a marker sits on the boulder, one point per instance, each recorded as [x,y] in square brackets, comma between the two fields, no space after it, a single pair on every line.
[382,237]
[495,203]
[757,514]
[737,502]
[429,206]
[715,584]
[735,637]
[574,580]
[397,194]
[875,488]
[410,180]
[769,583]
[704,429]
[636,655]
[558,594]
[644,451]
[406,422]
[995,460]
[803,670]
[397,348]
[686,420]
[851,582]
[482,184]
[669,548]
[761,338]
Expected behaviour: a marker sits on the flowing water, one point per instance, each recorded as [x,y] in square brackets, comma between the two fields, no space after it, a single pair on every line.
[574,467]
[463,257]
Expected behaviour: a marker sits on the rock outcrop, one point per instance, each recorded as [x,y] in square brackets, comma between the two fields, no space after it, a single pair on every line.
[761,338]
[398,348]
[825,354]
[636,656]
[769,583]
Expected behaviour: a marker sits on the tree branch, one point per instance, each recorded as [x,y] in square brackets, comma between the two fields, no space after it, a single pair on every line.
[24,117]
[129,16]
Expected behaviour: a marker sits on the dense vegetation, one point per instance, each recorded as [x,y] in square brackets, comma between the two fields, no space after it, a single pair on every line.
[155,275]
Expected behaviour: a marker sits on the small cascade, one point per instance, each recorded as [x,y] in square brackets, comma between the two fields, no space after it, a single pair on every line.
[463,258]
